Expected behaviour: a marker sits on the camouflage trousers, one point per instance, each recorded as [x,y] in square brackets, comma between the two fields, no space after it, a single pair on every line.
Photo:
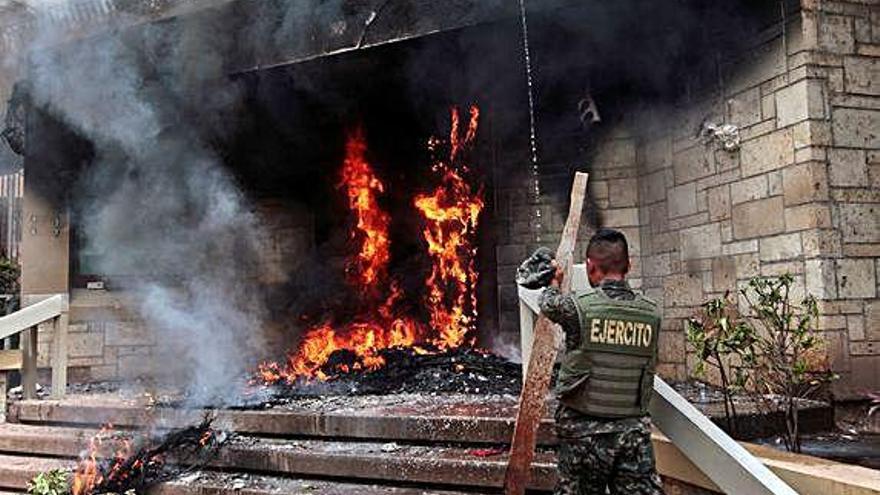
[593,459]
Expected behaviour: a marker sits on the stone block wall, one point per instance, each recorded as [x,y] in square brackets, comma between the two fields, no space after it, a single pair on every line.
[800,195]
[841,182]
[106,341]
[715,218]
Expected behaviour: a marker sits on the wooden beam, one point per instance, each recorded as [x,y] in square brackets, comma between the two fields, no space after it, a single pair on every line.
[11,360]
[543,355]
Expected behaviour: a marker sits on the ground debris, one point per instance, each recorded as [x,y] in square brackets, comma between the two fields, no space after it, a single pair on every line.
[462,370]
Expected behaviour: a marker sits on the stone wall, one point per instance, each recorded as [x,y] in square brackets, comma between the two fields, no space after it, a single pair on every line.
[715,218]
[842,181]
[800,195]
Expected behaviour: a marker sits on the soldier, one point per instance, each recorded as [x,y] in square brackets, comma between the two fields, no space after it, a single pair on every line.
[606,378]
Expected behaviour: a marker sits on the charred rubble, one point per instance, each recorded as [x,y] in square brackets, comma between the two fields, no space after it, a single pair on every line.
[461,370]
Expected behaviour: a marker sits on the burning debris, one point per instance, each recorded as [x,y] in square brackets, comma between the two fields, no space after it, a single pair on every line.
[460,370]
[384,331]
[117,463]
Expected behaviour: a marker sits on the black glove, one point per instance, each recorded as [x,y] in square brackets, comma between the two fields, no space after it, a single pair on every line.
[537,271]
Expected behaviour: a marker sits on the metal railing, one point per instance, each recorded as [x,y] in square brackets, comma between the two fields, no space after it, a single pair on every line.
[722,459]
[25,323]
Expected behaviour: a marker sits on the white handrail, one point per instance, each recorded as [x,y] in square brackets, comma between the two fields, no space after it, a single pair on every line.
[25,322]
[31,316]
[727,463]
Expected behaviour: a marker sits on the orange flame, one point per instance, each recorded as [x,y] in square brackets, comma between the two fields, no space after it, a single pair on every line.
[362,187]
[88,474]
[451,214]
[367,271]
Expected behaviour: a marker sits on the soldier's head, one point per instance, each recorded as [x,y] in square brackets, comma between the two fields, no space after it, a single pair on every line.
[607,256]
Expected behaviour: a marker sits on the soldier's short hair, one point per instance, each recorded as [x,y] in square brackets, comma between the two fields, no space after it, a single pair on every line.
[609,250]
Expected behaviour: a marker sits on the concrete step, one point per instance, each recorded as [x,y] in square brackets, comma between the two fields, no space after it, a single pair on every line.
[43,440]
[16,471]
[435,464]
[466,422]
[214,483]
[486,423]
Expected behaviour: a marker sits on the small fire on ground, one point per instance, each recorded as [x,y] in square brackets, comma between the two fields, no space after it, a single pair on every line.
[450,216]
[115,463]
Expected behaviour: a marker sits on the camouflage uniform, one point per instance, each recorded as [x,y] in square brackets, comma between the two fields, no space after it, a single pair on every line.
[599,453]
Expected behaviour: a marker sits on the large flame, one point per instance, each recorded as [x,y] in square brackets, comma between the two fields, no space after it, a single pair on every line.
[451,213]
[371,230]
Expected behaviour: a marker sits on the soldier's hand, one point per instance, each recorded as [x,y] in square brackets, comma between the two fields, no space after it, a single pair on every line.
[558,276]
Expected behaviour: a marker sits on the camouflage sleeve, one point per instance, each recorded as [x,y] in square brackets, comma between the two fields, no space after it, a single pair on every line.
[561,309]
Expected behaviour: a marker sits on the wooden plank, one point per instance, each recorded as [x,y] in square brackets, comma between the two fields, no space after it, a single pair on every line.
[31,316]
[809,475]
[59,356]
[29,366]
[543,355]
[11,360]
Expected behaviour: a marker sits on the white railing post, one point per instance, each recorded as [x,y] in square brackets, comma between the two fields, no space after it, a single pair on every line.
[25,323]
[3,396]
[29,364]
[59,356]
[528,310]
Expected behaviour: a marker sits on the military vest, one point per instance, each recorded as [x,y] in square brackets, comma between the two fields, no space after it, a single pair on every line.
[611,373]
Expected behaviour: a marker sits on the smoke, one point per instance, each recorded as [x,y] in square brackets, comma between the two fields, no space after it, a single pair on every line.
[156,203]
[507,345]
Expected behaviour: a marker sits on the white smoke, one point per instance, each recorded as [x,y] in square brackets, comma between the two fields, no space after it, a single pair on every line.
[157,202]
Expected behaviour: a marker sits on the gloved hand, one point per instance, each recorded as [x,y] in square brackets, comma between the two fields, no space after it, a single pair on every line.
[538,270]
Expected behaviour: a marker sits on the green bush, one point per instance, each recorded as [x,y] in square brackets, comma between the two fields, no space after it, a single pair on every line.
[52,482]
[773,352]
[720,339]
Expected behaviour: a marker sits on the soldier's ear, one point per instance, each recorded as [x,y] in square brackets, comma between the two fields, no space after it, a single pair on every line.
[628,266]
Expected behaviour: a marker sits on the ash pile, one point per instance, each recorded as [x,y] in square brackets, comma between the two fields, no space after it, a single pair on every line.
[462,371]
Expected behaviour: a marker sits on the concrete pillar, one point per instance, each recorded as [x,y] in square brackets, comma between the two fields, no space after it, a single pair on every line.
[45,246]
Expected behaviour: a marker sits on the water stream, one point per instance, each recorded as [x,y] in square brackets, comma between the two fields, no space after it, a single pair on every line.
[537,223]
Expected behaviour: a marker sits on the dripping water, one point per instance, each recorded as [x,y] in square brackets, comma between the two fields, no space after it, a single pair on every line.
[537,224]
